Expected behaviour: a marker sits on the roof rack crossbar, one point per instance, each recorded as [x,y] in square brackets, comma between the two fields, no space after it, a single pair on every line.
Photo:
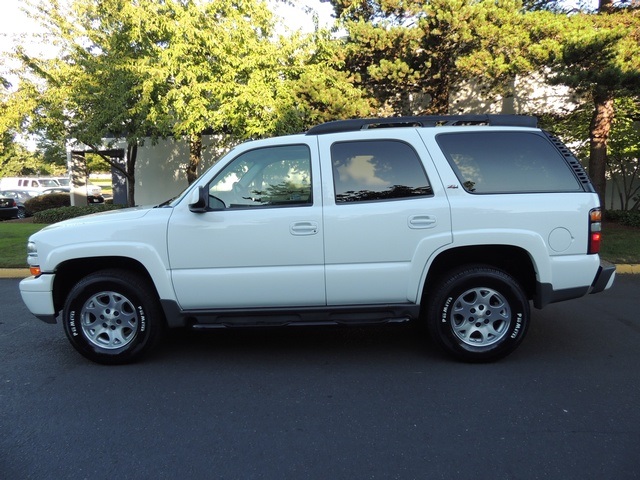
[424,121]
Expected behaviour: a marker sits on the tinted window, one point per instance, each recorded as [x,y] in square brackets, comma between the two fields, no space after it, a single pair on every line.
[264,177]
[507,162]
[377,170]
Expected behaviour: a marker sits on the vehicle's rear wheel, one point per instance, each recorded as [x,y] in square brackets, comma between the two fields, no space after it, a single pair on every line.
[478,313]
[113,317]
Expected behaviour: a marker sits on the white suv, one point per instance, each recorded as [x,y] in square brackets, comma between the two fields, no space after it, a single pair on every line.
[456,221]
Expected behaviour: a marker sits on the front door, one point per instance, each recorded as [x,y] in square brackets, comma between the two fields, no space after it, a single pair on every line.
[261,242]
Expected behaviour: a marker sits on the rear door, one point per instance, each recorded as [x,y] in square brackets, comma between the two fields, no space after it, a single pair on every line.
[385,215]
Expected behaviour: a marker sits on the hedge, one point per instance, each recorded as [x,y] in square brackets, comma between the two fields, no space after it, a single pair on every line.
[55,215]
[630,218]
[46,202]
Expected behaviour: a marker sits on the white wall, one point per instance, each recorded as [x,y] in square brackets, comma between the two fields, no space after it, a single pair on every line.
[161,167]
[523,95]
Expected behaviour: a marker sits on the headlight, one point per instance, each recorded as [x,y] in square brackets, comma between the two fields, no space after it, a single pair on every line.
[32,253]
[32,259]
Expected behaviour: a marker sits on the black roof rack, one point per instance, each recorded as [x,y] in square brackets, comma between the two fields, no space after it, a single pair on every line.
[424,121]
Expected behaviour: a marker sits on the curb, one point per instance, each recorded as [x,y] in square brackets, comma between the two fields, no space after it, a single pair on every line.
[621,269]
[14,272]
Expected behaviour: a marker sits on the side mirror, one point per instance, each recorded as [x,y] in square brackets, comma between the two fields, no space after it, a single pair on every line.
[198,201]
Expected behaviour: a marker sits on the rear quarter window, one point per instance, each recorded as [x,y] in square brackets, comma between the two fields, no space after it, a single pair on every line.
[507,162]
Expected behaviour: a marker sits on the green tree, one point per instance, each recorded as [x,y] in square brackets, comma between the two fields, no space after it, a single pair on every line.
[623,159]
[599,59]
[219,66]
[15,158]
[412,54]
[318,87]
[97,87]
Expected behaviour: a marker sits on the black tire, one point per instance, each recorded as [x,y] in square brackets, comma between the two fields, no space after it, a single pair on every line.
[113,317]
[478,313]
[22,212]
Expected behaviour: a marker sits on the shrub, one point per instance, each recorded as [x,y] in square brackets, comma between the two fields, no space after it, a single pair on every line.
[630,218]
[45,202]
[55,215]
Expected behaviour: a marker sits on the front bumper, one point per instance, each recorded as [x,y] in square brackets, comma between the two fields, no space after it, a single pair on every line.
[37,295]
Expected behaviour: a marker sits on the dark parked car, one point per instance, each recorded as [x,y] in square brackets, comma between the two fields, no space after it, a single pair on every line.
[8,208]
[12,204]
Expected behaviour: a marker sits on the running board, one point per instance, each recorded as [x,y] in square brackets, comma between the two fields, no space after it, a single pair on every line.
[275,323]
[290,316]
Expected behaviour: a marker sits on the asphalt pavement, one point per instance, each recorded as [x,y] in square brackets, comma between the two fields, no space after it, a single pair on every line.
[357,403]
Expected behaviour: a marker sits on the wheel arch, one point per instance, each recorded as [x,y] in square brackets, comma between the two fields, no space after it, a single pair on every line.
[511,259]
[70,272]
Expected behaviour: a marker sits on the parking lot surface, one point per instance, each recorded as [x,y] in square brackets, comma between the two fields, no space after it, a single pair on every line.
[314,403]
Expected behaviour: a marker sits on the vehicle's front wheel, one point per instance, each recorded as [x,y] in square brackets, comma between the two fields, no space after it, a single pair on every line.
[478,313]
[113,317]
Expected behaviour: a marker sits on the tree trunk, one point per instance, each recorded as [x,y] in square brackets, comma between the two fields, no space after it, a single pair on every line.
[195,154]
[132,154]
[599,131]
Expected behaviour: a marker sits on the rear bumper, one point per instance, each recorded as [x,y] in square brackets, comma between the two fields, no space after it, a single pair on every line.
[604,278]
[8,213]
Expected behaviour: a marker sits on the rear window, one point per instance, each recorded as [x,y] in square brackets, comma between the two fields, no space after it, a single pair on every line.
[507,162]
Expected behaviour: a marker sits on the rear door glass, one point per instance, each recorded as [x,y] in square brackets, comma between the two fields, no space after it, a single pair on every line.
[373,170]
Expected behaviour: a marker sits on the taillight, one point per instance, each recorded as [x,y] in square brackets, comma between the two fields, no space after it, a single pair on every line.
[595,230]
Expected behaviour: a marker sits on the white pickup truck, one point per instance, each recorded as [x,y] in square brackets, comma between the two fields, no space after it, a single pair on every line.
[460,222]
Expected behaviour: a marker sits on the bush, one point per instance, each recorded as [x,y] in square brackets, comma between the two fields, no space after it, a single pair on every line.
[630,218]
[45,202]
[55,215]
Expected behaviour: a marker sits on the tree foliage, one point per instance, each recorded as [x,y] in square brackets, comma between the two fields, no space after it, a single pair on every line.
[623,159]
[147,69]
[15,158]
[599,59]
[151,69]
[97,87]
[412,54]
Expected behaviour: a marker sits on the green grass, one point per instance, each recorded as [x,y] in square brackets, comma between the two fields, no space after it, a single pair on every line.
[13,243]
[620,244]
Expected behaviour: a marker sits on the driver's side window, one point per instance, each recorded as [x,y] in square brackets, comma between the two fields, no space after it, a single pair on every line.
[265,177]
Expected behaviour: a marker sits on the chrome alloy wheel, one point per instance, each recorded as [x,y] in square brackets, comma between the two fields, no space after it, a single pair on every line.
[480,317]
[109,320]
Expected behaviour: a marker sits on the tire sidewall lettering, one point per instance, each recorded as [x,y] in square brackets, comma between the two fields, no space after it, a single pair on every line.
[72,322]
[517,327]
[142,317]
[445,310]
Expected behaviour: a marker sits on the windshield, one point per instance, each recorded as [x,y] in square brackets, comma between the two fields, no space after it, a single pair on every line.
[49,182]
